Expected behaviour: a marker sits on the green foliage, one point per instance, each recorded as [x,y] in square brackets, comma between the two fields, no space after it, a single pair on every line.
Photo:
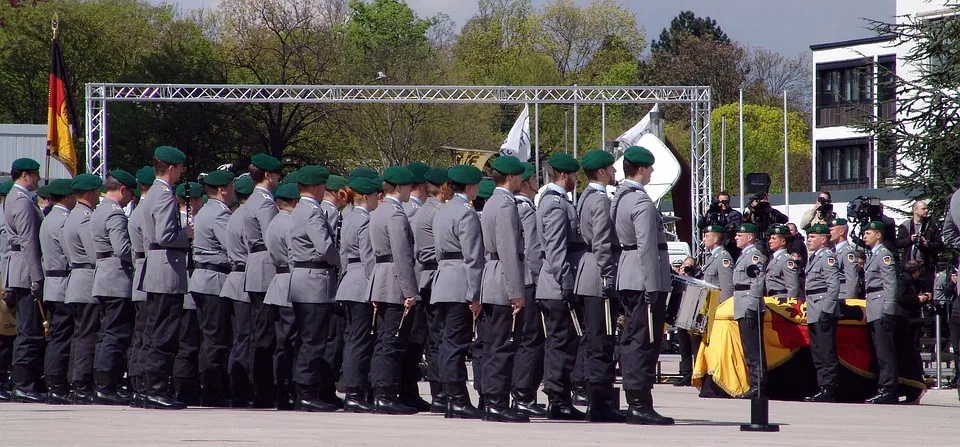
[687,23]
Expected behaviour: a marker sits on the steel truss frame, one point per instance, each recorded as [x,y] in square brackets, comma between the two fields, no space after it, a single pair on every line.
[98,95]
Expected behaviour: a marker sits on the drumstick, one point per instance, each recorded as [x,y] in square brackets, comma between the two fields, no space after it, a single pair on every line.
[402,317]
[513,327]
[650,321]
[607,316]
[373,324]
[576,321]
[544,321]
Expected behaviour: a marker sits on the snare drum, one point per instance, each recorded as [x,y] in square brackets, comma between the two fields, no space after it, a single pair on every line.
[698,299]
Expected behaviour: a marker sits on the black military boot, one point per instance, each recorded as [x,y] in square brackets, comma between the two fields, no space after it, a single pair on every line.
[211,386]
[58,391]
[580,394]
[602,407]
[641,412]
[308,400]
[525,403]
[136,399]
[264,395]
[240,390]
[560,408]
[187,391]
[355,401]
[286,396]
[438,397]
[410,396]
[106,391]
[329,395]
[498,410]
[387,401]
[83,393]
[824,395]
[157,395]
[4,386]
[458,402]
[884,396]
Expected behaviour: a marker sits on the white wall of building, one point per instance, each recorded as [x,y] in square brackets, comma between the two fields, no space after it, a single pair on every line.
[30,141]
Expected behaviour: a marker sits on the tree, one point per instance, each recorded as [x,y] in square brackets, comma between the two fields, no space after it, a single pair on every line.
[770,73]
[699,61]
[687,23]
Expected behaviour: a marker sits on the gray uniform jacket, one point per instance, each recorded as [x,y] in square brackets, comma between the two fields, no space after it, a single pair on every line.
[237,253]
[822,286]
[4,246]
[849,271]
[718,270]
[880,281]
[747,291]
[410,207]
[210,260]
[261,209]
[55,264]
[356,255]
[278,292]
[596,227]
[114,274]
[458,238]
[81,252]
[393,279]
[312,241]
[561,243]
[332,214]
[503,273]
[645,262]
[135,231]
[166,243]
[423,241]
[23,219]
[782,277]
[532,251]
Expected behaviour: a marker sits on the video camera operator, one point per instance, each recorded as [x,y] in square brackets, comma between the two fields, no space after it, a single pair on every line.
[764,216]
[720,213]
[821,213]
[863,210]
[919,240]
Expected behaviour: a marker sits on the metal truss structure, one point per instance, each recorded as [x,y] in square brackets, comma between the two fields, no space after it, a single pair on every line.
[98,95]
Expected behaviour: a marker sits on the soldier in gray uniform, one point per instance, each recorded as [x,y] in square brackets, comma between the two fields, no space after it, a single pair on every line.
[528,367]
[145,178]
[502,293]
[643,280]
[596,287]
[186,369]
[81,252]
[330,206]
[846,258]
[278,295]
[238,362]
[823,311]
[357,262]
[418,189]
[164,278]
[112,284]
[56,360]
[313,261]
[562,245]
[782,276]
[23,279]
[423,242]
[211,266]
[261,209]
[718,267]
[748,304]
[6,341]
[880,281]
[392,288]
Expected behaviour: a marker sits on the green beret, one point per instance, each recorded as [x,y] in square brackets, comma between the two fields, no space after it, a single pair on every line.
[465,174]
[44,191]
[86,182]
[25,164]
[639,156]
[313,175]
[562,162]
[437,176]
[839,222]
[716,229]
[146,175]
[218,178]
[363,185]
[204,198]
[486,189]
[398,175]
[5,187]
[288,191]
[169,155]
[508,164]
[363,173]
[60,187]
[528,170]
[336,183]
[597,160]
[266,162]
[875,225]
[747,228]
[379,182]
[419,170]
[124,177]
[819,229]
[780,230]
[244,185]
[291,177]
[196,190]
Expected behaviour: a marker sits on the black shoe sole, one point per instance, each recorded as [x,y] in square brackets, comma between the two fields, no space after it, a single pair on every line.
[503,419]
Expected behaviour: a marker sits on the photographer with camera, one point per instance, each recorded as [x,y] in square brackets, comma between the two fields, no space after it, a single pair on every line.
[762,214]
[863,210]
[719,213]
[821,213]
[919,240]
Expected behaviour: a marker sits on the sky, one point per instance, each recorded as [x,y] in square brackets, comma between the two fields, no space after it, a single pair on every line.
[785,26]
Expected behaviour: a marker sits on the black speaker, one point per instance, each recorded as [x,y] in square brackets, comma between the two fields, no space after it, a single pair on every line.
[757,182]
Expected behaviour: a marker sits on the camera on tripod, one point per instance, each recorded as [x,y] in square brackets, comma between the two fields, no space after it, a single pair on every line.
[864,210]
[825,211]
[716,215]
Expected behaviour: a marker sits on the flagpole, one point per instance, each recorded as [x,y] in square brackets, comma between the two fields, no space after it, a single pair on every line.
[723,153]
[55,26]
[786,158]
[603,126]
[742,191]
[536,138]
[575,131]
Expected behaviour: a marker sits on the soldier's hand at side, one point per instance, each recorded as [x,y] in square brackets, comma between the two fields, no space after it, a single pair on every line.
[475,309]
[189,231]
[36,289]
[568,296]
[516,304]
[410,302]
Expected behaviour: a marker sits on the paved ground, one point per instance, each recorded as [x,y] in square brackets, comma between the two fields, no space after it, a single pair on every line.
[700,421]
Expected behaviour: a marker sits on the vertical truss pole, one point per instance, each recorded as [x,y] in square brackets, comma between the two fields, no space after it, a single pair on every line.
[576,130]
[701,163]
[603,126]
[96,123]
[536,139]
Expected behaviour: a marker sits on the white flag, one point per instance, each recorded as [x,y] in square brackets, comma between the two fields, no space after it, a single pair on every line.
[632,135]
[517,142]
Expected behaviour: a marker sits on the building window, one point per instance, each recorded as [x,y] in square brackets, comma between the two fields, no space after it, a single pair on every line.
[845,93]
[844,164]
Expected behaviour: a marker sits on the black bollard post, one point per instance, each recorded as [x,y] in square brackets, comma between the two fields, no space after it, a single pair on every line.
[759,404]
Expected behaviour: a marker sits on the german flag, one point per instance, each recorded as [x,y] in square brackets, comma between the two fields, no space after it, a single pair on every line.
[61,119]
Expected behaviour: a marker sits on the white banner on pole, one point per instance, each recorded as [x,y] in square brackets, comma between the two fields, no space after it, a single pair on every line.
[632,135]
[517,142]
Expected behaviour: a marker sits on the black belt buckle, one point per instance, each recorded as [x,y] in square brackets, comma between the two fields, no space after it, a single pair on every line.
[450,256]
[258,248]
[284,269]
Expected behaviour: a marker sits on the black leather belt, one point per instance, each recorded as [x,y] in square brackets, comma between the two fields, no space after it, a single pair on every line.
[383,259]
[741,288]
[258,248]
[56,273]
[321,265]
[816,291]
[354,260]
[105,255]
[138,255]
[239,268]
[874,289]
[578,246]
[777,291]
[843,280]
[496,257]
[219,268]
[451,255]
[284,269]
[82,266]
[161,247]
[15,247]
[429,266]
[634,247]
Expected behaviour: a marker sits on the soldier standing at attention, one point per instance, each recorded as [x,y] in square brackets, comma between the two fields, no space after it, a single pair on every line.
[782,276]
[210,269]
[718,267]
[56,360]
[456,287]
[145,178]
[596,286]
[846,258]
[112,284]
[418,189]
[238,363]
[562,248]
[880,282]
[392,288]
[186,369]
[823,311]
[748,302]
[81,252]
[330,205]
[278,295]
[6,341]
[165,277]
